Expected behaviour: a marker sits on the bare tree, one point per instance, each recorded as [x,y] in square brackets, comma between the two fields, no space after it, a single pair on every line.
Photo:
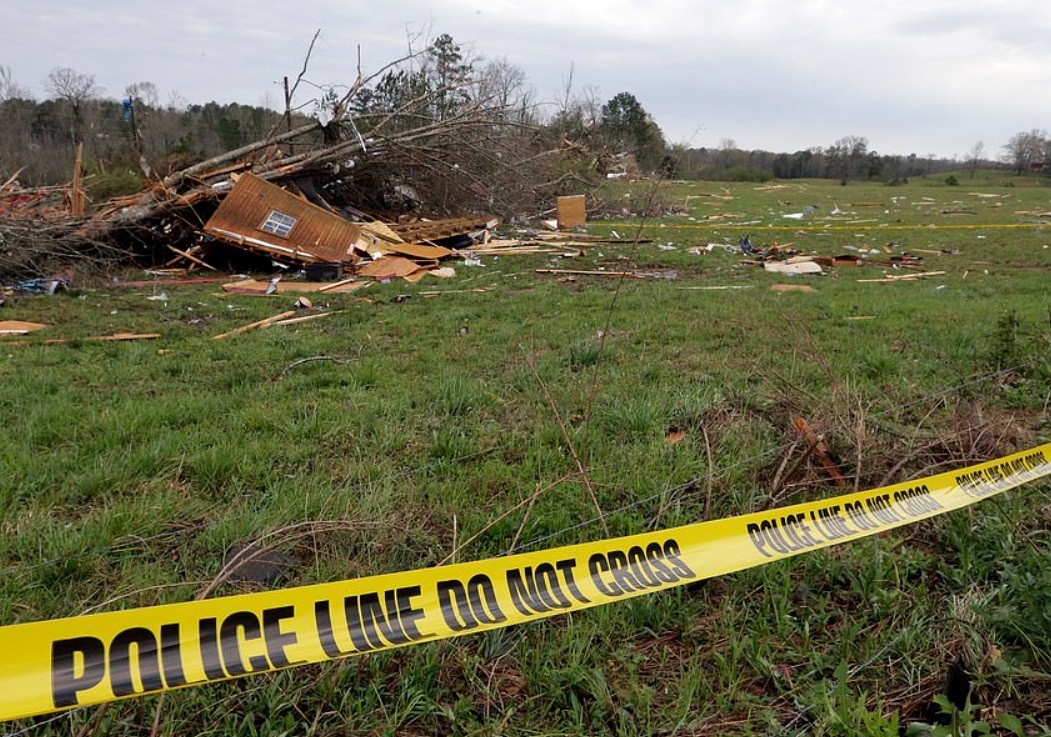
[176,102]
[502,85]
[9,89]
[1024,148]
[144,92]
[974,155]
[76,89]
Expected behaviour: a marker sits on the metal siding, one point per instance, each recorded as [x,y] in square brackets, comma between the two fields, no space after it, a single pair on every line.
[323,235]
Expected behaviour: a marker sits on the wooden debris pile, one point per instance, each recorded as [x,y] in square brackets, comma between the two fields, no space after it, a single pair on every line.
[349,161]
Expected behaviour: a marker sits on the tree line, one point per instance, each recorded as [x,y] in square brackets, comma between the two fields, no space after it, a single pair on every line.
[140,135]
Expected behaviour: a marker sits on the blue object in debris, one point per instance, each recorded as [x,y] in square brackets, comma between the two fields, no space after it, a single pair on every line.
[43,285]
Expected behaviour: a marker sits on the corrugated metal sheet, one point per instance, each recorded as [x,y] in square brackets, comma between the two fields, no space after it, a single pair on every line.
[316,236]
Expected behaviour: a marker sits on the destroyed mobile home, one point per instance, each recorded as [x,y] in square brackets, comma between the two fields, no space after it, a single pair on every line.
[332,180]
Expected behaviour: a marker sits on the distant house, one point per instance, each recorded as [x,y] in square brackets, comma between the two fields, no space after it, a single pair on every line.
[1037,166]
[260,216]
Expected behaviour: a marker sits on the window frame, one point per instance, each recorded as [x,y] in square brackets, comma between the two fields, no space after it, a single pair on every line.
[279,223]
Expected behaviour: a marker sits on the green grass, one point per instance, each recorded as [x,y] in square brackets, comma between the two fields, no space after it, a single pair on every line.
[128,469]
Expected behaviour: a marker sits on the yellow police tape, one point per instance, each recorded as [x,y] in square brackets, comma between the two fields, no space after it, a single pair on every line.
[59,664]
[723,225]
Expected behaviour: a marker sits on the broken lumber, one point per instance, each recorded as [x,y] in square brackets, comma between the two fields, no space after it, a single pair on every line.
[307,318]
[816,444]
[578,272]
[889,278]
[256,325]
[19,327]
[189,257]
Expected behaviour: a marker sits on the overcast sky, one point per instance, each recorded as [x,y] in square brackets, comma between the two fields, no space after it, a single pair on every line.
[913,76]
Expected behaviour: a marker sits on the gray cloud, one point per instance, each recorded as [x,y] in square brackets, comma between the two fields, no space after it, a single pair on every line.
[911,75]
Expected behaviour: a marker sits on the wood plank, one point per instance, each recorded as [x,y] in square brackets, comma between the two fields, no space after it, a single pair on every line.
[419,251]
[577,272]
[19,327]
[128,336]
[196,260]
[257,286]
[308,318]
[256,325]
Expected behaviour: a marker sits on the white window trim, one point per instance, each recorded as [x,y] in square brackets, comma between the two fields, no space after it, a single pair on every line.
[279,223]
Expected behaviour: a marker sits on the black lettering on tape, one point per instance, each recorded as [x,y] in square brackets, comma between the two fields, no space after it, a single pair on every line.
[381,622]
[369,621]
[536,591]
[408,614]
[597,564]
[209,644]
[275,638]
[861,517]
[455,606]
[235,626]
[773,537]
[483,600]
[672,553]
[355,627]
[566,567]
[122,665]
[640,566]
[323,624]
[755,534]
[466,607]
[550,588]
[171,656]
[77,664]
[655,553]
[524,595]
[618,566]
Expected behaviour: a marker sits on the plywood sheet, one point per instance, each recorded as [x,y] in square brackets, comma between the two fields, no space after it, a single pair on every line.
[417,250]
[19,327]
[571,212]
[389,267]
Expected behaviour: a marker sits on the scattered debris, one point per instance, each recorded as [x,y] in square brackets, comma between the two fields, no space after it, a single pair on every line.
[256,325]
[307,318]
[715,288]
[389,267]
[578,272]
[46,285]
[675,436]
[791,288]
[253,563]
[19,327]
[169,282]
[128,336]
[916,276]
[64,341]
[794,267]
[808,210]
[260,288]
[816,444]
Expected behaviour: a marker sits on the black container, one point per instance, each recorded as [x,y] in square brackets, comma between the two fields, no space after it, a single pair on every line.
[324,272]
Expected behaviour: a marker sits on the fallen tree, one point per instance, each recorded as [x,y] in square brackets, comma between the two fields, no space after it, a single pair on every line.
[395,141]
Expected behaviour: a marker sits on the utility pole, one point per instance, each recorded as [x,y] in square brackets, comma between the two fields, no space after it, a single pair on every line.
[288,115]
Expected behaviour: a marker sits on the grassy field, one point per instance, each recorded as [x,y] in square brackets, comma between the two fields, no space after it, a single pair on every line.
[127,470]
